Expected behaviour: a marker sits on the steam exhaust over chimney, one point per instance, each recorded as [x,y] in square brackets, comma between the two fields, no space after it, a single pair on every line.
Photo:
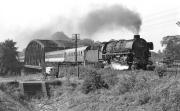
[115,15]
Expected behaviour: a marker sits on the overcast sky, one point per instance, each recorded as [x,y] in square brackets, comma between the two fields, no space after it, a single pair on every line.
[20,19]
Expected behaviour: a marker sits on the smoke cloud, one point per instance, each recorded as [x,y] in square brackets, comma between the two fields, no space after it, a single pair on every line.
[48,30]
[106,17]
[54,30]
[96,20]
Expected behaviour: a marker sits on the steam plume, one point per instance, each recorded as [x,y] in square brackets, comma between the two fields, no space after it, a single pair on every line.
[45,31]
[106,17]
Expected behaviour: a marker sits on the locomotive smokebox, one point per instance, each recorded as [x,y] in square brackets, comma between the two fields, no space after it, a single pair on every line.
[136,36]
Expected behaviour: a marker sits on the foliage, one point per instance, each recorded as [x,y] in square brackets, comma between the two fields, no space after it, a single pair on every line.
[110,76]
[8,59]
[157,56]
[72,71]
[144,97]
[161,70]
[126,84]
[12,99]
[92,82]
[138,91]
[89,42]
[86,42]
[172,45]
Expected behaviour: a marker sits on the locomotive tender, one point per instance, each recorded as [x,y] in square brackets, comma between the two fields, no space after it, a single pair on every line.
[135,53]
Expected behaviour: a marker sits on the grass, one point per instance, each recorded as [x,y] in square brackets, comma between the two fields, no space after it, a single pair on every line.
[127,90]
[11,98]
[93,81]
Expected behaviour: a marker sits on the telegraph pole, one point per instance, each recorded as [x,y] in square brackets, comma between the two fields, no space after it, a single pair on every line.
[76,38]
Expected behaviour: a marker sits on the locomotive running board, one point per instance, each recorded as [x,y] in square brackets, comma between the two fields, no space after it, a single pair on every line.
[117,53]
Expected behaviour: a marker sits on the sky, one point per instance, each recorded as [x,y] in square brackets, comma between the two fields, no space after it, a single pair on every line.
[24,20]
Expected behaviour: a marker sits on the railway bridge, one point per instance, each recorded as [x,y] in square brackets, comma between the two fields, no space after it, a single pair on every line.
[34,55]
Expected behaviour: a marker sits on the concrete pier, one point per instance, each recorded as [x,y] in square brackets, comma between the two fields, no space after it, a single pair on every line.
[33,88]
[38,88]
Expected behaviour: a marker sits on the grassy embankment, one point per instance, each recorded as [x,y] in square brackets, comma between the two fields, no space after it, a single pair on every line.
[110,90]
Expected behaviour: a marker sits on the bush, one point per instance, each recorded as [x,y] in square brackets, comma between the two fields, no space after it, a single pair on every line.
[92,82]
[127,84]
[70,71]
[110,76]
[144,97]
[141,83]
[12,94]
[161,71]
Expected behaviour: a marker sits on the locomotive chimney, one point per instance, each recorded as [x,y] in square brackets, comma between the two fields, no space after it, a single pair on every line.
[136,36]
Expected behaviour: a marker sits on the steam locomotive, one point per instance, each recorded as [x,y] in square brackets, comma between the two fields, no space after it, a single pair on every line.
[135,53]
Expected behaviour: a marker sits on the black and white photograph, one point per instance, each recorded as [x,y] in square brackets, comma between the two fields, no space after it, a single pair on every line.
[89,55]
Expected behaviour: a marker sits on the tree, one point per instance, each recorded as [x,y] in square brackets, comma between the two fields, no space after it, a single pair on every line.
[8,57]
[172,46]
[89,42]
[86,42]
[156,56]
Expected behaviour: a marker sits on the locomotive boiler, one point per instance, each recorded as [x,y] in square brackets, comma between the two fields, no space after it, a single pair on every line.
[135,52]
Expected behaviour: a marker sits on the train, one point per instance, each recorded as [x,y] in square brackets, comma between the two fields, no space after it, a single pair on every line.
[134,52]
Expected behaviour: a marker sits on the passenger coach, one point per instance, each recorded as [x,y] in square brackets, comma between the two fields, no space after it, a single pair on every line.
[84,55]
